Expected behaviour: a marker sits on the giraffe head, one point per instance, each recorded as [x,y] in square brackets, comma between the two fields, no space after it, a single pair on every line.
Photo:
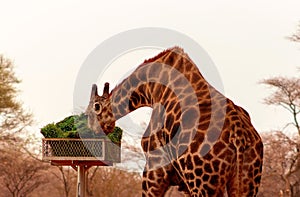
[99,111]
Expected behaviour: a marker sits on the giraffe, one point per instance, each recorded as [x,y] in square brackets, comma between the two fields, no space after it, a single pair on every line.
[197,139]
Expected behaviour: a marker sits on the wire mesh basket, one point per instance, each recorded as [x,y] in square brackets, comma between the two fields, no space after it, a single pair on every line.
[80,150]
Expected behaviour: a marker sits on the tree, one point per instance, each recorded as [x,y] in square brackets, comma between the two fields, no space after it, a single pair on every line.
[67,178]
[13,117]
[20,173]
[281,174]
[286,95]
[286,161]
[113,182]
[296,36]
[281,167]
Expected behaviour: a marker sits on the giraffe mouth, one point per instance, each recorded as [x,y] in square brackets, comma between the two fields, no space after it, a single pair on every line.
[108,128]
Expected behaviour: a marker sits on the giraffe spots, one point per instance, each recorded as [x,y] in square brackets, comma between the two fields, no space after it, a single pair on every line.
[257,179]
[133,80]
[145,144]
[175,129]
[259,148]
[194,147]
[208,157]
[208,168]
[250,172]
[226,136]
[241,148]
[204,121]
[250,155]
[196,191]
[216,165]
[190,176]
[122,110]
[170,105]
[189,118]
[142,74]
[134,101]
[190,101]
[257,163]
[223,180]
[213,134]
[210,191]
[189,163]
[164,77]
[169,122]
[198,182]
[144,100]
[199,172]
[185,137]
[198,160]
[157,91]
[154,70]
[224,168]
[205,149]
[144,186]
[182,149]
[251,188]
[169,59]
[192,184]
[214,180]
[218,147]
[152,184]
[151,175]
[205,177]
[117,98]
[179,81]
[153,144]
[239,133]
[194,78]
[166,94]
[154,161]
[188,66]
[199,137]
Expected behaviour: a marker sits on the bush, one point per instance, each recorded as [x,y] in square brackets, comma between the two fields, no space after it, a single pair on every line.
[51,131]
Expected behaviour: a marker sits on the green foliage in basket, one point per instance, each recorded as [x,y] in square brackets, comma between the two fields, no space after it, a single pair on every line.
[75,126]
[116,136]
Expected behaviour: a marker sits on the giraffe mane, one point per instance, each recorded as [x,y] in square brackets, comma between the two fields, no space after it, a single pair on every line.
[175,48]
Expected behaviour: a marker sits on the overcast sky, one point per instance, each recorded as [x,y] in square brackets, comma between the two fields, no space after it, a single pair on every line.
[49,41]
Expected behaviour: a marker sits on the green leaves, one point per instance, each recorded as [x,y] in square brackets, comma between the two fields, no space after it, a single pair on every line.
[75,126]
[116,136]
[52,131]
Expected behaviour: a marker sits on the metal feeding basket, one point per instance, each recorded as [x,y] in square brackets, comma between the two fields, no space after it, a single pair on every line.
[64,149]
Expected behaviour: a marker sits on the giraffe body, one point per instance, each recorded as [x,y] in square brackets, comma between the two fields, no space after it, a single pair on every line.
[196,139]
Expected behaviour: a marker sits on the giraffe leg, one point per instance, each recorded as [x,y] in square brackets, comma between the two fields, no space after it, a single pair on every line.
[252,168]
[247,181]
[155,183]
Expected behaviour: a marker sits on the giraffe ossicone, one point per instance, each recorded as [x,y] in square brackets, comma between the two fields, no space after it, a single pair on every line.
[196,139]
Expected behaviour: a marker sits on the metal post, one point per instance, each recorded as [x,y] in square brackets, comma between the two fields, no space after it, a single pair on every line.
[81,184]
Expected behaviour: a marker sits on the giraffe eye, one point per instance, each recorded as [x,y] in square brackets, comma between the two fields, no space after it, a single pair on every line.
[97,108]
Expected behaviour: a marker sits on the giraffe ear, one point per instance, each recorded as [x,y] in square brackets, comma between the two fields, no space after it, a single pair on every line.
[94,91]
[106,90]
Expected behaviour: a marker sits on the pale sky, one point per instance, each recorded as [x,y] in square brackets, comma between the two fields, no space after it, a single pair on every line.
[49,41]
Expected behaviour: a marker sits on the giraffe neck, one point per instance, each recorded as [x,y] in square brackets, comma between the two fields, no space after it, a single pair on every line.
[170,79]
